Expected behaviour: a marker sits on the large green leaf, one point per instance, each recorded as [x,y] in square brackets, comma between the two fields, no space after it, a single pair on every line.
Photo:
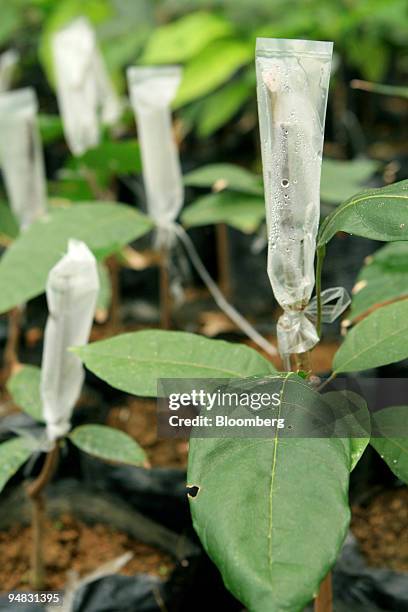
[379,214]
[13,454]
[104,227]
[108,159]
[11,20]
[379,339]
[108,444]
[8,223]
[215,65]
[225,176]
[272,513]
[221,106]
[243,211]
[393,449]
[133,362]
[24,388]
[70,186]
[183,39]
[342,179]
[383,278]
[352,421]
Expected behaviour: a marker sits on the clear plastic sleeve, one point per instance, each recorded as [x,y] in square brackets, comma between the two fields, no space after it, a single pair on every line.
[86,97]
[152,89]
[21,155]
[292,87]
[72,289]
[8,63]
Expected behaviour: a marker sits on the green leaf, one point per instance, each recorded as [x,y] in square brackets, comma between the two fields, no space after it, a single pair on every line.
[392,257]
[384,278]
[50,128]
[65,11]
[70,186]
[8,223]
[104,227]
[342,179]
[369,54]
[225,176]
[108,159]
[11,20]
[379,214]
[221,106]
[24,388]
[352,420]
[215,65]
[242,211]
[13,454]
[393,449]
[379,339]
[108,444]
[183,39]
[272,513]
[133,362]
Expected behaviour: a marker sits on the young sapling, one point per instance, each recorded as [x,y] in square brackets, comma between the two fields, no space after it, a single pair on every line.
[86,97]
[87,101]
[152,90]
[72,289]
[22,165]
[293,80]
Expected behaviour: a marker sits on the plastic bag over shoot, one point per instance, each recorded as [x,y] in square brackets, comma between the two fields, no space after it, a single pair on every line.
[72,290]
[8,63]
[292,86]
[152,90]
[86,97]
[21,155]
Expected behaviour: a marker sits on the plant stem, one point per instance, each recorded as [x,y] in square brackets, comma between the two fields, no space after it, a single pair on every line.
[224,275]
[324,599]
[113,266]
[13,337]
[34,492]
[165,299]
[303,362]
[321,251]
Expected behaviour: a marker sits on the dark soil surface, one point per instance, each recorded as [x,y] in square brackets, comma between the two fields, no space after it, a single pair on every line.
[381,528]
[70,544]
[137,417]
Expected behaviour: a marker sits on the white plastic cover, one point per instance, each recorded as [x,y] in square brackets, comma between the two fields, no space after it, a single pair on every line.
[152,89]
[72,289]
[21,155]
[292,86]
[86,97]
[8,62]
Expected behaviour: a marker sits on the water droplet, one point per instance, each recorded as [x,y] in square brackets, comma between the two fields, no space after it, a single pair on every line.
[394,461]
[285,183]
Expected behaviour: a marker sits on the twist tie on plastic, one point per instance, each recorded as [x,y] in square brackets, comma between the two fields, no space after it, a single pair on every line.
[296,329]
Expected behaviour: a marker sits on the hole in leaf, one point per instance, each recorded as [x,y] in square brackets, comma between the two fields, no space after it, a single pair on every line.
[192,491]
